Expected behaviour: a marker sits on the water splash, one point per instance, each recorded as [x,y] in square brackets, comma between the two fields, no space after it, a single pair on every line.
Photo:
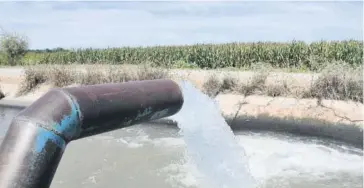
[210,142]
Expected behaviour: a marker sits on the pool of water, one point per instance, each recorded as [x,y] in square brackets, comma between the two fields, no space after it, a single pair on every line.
[155,156]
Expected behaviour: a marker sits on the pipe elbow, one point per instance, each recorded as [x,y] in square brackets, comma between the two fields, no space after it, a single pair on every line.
[56,111]
[77,112]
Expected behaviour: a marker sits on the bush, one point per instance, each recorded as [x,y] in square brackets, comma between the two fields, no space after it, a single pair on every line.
[147,72]
[92,76]
[256,85]
[276,90]
[61,76]
[118,74]
[212,86]
[33,77]
[14,47]
[338,81]
[229,83]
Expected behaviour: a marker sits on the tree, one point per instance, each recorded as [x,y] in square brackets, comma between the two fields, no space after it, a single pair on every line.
[14,46]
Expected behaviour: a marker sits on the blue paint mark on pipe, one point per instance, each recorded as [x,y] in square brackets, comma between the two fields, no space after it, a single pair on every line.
[68,126]
[45,136]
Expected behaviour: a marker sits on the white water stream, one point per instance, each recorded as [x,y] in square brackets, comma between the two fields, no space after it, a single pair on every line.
[211,144]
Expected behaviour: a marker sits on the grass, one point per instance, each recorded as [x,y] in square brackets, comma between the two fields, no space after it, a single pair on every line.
[338,81]
[280,89]
[255,86]
[212,86]
[63,75]
[33,77]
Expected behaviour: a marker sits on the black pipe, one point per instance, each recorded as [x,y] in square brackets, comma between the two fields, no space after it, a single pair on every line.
[38,135]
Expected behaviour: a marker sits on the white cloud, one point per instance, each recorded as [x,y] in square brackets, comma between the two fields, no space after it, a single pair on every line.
[102,24]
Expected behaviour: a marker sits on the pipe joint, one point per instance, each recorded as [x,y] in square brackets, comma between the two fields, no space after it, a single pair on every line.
[56,111]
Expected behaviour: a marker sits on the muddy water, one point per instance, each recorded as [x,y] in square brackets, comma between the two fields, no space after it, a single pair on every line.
[154,156]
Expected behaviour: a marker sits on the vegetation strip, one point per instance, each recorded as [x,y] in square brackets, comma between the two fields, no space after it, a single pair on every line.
[336,81]
[290,55]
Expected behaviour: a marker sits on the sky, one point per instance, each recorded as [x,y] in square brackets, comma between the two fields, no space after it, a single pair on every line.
[71,24]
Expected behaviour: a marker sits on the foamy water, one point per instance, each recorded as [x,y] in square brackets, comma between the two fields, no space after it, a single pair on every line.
[276,161]
[211,144]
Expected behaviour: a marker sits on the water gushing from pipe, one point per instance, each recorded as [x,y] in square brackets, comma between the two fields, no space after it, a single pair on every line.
[210,142]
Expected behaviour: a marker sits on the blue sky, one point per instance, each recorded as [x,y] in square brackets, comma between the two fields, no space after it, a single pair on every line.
[101,24]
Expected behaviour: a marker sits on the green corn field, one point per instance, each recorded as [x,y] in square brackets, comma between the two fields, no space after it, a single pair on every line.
[295,54]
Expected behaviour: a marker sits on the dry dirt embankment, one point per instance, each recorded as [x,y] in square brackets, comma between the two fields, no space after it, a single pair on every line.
[253,111]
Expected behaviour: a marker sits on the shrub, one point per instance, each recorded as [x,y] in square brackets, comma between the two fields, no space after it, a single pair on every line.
[33,77]
[256,85]
[14,47]
[118,74]
[147,72]
[61,76]
[338,81]
[92,76]
[212,86]
[276,90]
[229,83]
